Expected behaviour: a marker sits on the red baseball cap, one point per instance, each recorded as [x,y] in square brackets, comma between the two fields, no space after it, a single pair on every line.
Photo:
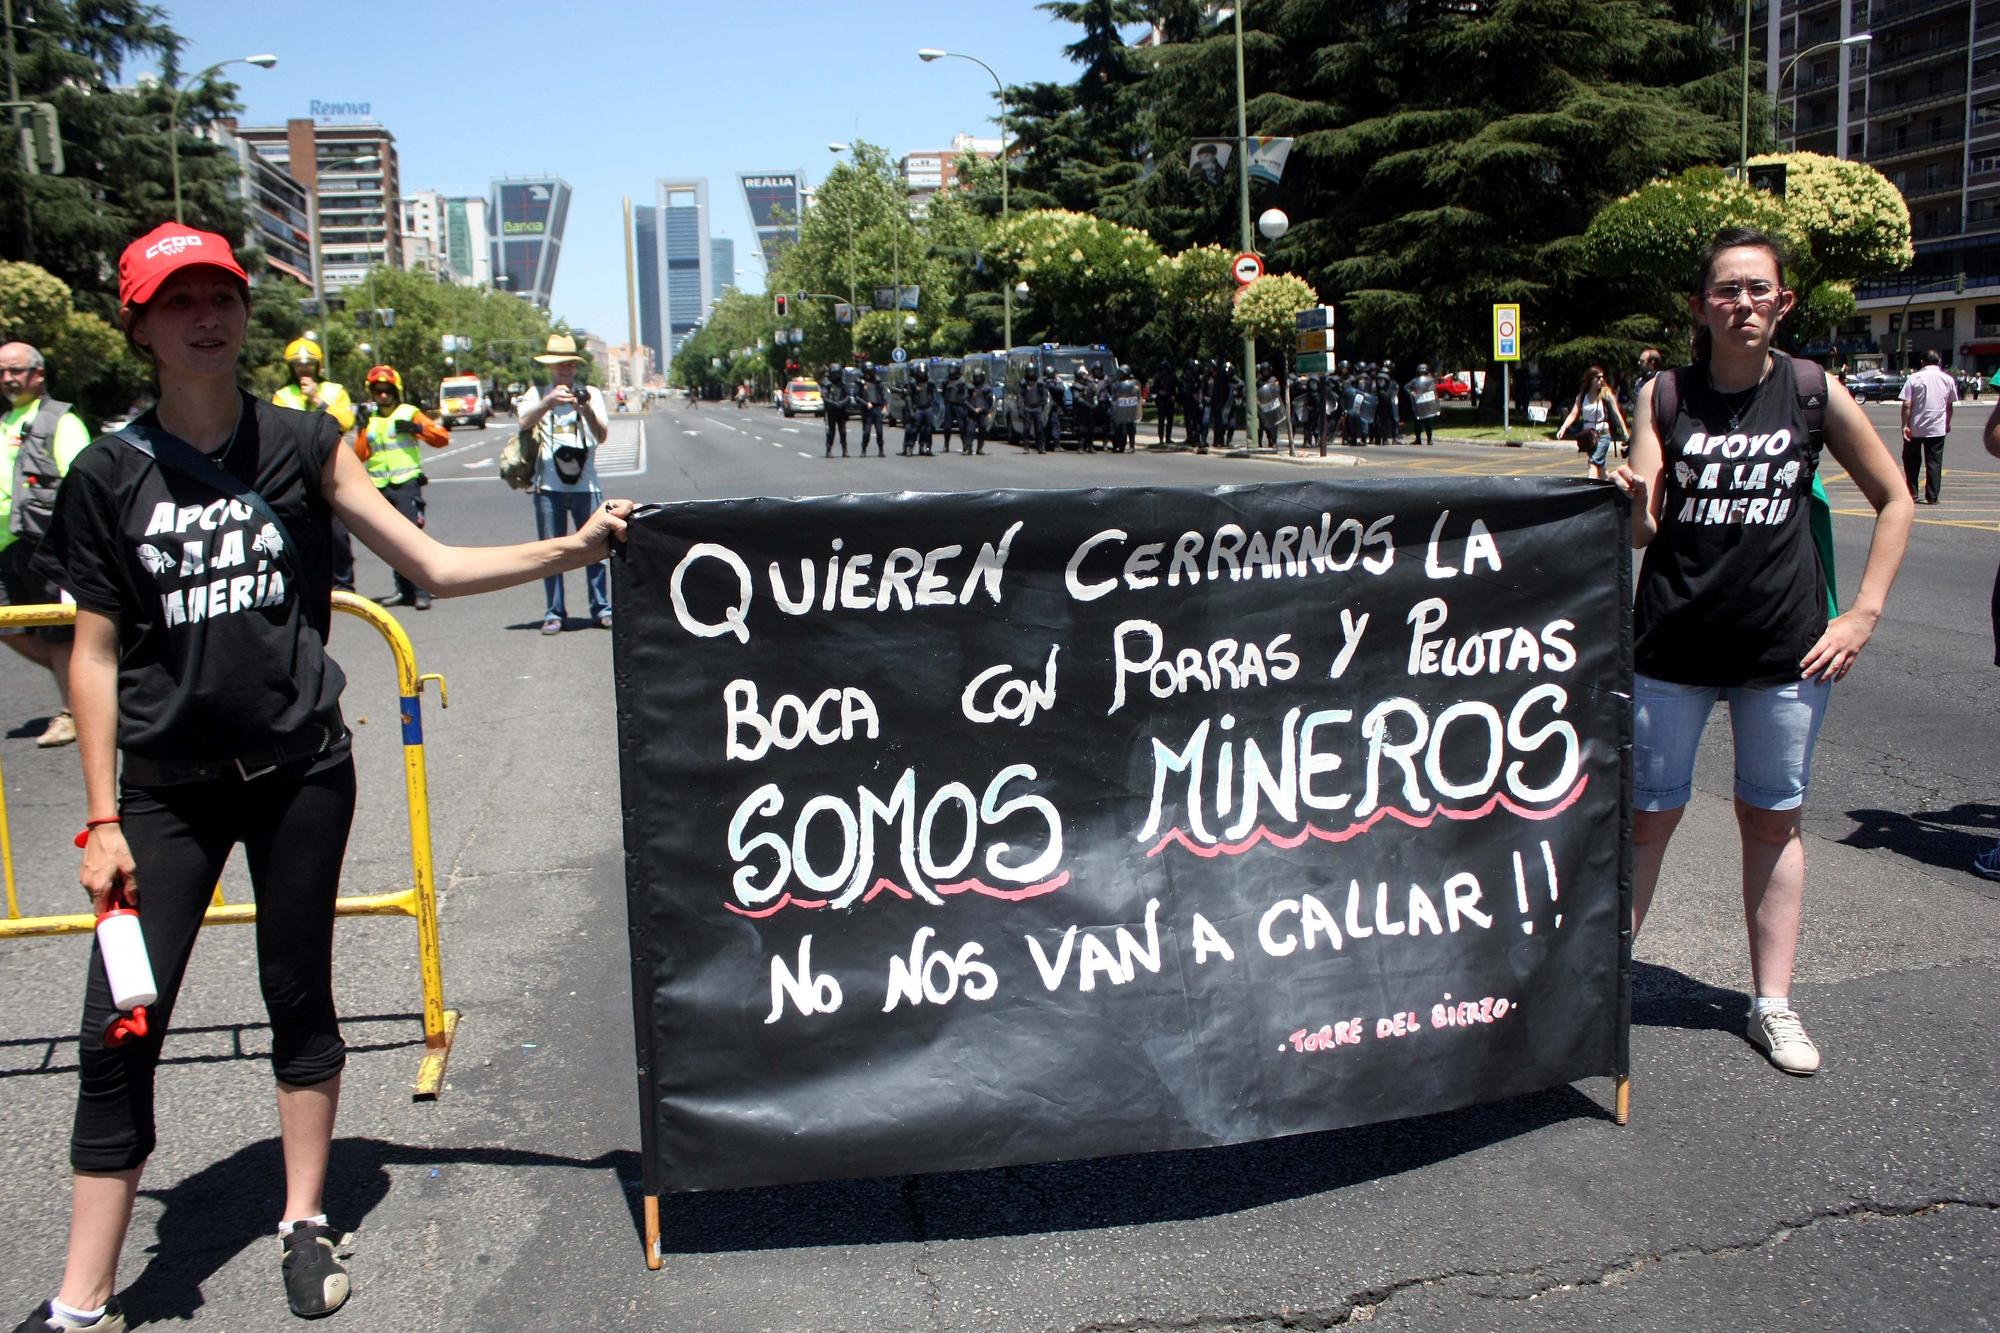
[165,251]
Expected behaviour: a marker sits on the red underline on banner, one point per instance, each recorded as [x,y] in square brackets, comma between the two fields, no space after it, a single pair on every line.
[1288,841]
[978,886]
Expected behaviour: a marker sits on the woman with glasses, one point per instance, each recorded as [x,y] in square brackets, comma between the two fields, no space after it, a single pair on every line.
[1593,412]
[1733,599]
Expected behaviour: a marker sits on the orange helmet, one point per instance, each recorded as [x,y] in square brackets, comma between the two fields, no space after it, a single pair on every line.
[384,375]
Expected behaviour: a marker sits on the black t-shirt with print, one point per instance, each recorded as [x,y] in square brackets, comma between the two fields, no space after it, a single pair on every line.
[222,633]
[1731,592]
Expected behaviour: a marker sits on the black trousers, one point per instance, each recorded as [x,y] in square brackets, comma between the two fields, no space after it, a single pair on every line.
[1924,454]
[343,557]
[917,432]
[293,829]
[1164,404]
[836,423]
[408,498]
[979,423]
[957,420]
[871,419]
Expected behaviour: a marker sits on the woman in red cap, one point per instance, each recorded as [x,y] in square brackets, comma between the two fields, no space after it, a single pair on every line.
[197,544]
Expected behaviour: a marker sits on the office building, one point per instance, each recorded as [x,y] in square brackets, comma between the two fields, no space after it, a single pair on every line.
[422,226]
[274,205]
[721,267]
[468,241]
[674,264]
[776,200]
[351,173]
[529,214]
[928,170]
[1919,100]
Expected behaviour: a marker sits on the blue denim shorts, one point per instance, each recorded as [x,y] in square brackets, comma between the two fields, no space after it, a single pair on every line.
[1774,727]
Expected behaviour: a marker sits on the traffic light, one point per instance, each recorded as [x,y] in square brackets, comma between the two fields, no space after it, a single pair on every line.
[780,306]
[46,132]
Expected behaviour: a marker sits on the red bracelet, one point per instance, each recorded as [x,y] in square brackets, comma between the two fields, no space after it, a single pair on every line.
[89,824]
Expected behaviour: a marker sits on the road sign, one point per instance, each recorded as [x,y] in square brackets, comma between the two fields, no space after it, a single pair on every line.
[1313,317]
[1506,333]
[1247,268]
[1314,363]
[899,356]
[1316,340]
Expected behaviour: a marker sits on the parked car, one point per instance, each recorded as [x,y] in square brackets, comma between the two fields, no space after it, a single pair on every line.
[802,396]
[1455,386]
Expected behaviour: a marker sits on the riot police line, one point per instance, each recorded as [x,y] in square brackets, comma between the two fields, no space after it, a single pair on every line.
[1082,398]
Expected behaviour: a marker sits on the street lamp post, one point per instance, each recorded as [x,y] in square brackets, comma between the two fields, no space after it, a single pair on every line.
[174,117]
[1243,194]
[1858,39]
[928,54]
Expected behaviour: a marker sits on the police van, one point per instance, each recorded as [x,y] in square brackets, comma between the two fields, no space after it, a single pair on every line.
[1057,367]
[895,378]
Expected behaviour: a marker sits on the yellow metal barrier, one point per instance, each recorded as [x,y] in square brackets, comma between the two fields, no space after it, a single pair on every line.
[418,901]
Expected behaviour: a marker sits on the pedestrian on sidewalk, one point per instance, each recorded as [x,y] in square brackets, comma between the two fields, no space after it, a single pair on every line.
[1733,599]
[227,713]
[568,423]
[1928,399]
[388,442]
[39,438]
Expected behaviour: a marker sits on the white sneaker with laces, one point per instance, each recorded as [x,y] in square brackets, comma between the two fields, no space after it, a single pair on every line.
[1781,1035]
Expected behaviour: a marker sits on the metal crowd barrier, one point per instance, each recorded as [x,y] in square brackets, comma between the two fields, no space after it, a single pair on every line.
[418,901]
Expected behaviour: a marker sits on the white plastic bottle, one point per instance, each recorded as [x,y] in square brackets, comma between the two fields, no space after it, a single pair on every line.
[125,960]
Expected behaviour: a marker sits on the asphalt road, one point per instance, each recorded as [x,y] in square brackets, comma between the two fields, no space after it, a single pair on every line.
[1862,1198]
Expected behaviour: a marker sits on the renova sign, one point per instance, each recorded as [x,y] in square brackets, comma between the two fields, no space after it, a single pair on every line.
[320,110]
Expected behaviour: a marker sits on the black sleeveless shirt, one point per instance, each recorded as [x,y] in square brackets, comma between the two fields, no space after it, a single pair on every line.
[1731,591]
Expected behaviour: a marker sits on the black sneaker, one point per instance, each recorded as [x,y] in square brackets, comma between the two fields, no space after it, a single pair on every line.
[44,1320]
[315,1280]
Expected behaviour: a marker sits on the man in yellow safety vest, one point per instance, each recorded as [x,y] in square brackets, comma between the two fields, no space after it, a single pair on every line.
[388,444]
[309,393]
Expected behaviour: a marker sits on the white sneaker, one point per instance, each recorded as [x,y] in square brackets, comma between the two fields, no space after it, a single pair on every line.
[1782,1036]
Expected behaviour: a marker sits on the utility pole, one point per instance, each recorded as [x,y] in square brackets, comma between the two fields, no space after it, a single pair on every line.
[21,134]
[1249,373]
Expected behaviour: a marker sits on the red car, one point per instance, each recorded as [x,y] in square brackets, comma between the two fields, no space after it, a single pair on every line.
[1455,386]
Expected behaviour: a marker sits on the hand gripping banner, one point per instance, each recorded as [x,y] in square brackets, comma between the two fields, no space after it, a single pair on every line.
[977,829]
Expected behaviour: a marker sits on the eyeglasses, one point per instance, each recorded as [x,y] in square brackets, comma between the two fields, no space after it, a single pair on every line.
[1729,293]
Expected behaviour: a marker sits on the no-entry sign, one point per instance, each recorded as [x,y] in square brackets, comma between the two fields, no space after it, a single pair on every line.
[1247,268]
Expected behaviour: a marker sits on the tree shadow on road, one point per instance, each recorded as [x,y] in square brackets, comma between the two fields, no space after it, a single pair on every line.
[1944,839]
[226,1207]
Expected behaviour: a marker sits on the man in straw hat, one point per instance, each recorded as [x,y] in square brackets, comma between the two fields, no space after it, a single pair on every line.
[568,423]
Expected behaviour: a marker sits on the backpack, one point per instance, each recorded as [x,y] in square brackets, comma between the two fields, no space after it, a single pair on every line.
[36,472]
[1810,379]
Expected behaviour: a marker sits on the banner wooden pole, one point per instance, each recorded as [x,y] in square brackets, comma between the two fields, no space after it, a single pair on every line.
[653,1232]
[1622,1106]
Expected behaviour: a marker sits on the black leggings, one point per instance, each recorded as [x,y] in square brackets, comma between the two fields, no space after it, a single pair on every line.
[294,834]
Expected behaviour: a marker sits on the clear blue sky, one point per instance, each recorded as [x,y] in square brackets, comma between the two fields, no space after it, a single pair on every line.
[612,96]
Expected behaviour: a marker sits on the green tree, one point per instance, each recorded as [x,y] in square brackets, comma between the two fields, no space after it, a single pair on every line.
[88,362]
[1079,142]
[116,146]
[1839,222]
[506,332]
[1447,154]
[1266,310]
[1196,316]
[1087,277]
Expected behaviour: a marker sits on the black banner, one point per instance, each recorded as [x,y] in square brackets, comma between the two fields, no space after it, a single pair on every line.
[977,829]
